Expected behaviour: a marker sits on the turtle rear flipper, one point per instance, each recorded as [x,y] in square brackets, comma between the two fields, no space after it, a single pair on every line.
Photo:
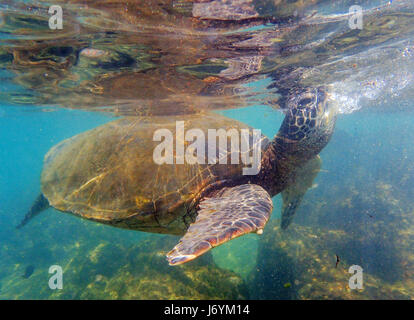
[293,195]
[38,206]
[229,214]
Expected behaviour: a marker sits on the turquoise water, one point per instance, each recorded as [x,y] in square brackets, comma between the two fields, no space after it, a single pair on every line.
[161,59]
[367,170]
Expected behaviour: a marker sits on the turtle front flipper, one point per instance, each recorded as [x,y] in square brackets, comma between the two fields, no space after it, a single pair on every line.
[294,193]
[231,213]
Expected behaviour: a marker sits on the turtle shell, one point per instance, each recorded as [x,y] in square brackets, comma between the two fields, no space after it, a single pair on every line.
[109,173]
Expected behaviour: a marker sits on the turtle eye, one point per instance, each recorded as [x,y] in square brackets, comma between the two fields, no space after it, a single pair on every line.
[304,102]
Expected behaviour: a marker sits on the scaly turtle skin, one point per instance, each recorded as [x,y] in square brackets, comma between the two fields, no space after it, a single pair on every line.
[110,175]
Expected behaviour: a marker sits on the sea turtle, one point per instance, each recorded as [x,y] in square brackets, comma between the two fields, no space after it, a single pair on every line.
[111,174]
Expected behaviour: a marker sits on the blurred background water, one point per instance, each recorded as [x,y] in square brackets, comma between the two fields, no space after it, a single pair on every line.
[360,207]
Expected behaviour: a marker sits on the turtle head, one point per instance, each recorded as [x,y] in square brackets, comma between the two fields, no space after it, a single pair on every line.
[308,125]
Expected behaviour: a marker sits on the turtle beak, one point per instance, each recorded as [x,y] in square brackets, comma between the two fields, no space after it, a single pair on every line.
[331,109]
[324,106]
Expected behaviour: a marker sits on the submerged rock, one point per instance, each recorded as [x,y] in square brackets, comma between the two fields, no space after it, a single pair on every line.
[305,258]
[111,271]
